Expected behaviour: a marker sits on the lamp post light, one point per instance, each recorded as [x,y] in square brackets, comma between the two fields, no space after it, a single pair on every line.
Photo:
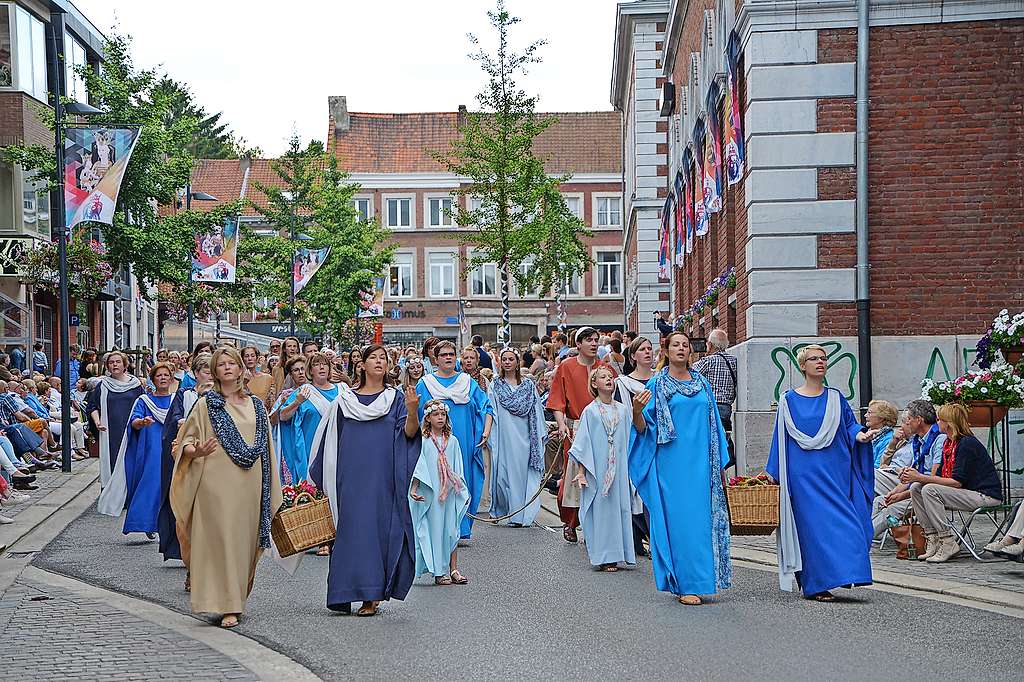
[189,196]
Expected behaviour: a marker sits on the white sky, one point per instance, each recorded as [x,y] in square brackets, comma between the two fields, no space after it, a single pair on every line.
[269,69]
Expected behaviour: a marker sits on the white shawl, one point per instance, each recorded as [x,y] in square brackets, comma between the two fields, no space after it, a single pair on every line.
[108,385]
[628,387]
[458,392]
[314,396]
[112,499]
[348,407]
[787,538]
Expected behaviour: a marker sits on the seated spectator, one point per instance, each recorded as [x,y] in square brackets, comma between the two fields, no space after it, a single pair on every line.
[24,413]
[881,417]
[1013,542]
[966,480]
[50,399]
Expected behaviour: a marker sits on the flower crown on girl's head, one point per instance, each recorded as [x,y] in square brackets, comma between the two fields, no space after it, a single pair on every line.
[433,408]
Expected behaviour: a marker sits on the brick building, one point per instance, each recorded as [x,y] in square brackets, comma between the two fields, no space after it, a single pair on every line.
[410,193]
[945,214]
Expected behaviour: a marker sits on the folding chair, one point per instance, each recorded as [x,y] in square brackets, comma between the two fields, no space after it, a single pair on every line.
[963,533]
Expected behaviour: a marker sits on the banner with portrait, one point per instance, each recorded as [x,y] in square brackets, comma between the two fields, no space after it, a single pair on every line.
[735,151]
[95,159]
[305,264]
[680,231]
[216,255]
[663,233]
[371,303]
[712,154]
[688,198]
[700,214]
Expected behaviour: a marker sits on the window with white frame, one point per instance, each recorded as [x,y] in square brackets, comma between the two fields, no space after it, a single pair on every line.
[31,57]
[573,285]
[400,276]
[574,203]
[399,212]
[6,73]
[524,270]
[439,212]
[483,279]
[609,273]
[74,61]
[441,274]
[364,208]
[609,213]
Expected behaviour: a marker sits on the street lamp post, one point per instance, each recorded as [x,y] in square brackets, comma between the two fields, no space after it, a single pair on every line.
[63,234]
[189,196]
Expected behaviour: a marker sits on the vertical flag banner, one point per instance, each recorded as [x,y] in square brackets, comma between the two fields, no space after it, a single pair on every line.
[305,265]
[663,250]
[216,254]
[700,214]
[94,163]
[680,209]
[371,303]
[735,153]
[712,154]
[688,198]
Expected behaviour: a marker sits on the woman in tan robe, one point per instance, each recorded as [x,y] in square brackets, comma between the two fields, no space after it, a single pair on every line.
[259,383]
[223,507]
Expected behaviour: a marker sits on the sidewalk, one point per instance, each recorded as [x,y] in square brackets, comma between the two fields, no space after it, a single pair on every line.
[88,633]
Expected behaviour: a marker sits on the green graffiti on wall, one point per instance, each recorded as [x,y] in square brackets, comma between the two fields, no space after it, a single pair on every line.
[834,354]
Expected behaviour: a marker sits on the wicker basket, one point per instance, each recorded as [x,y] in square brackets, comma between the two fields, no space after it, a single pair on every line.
[303,526]
[753,510]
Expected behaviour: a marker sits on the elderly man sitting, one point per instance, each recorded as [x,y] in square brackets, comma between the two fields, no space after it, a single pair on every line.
[923,451]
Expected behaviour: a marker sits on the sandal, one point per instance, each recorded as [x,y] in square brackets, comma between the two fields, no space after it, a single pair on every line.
[230,620]
[323,550]
[823,596]
[188,582]
[690,600]
[608,568]
[369,608]
[442,580]
[569,534]
[458,578]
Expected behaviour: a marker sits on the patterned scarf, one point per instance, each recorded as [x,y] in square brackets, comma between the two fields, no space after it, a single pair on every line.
[446,477]
[610,422]
[881,434]
[521,401]
[665,387]
[243,454]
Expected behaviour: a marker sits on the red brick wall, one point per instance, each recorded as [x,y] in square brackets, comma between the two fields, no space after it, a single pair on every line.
[19,121]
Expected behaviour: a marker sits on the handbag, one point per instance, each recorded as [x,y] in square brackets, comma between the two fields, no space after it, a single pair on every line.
[910,540]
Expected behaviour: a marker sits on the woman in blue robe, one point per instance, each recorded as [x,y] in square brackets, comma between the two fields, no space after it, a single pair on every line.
[471,415]
[301,413]
[181,405]
[826,479]
[676,462]
[518,437]
[287,433]
[364,456]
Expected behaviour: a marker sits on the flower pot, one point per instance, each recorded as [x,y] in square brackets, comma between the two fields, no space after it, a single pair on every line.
[985,413]
[1013,354]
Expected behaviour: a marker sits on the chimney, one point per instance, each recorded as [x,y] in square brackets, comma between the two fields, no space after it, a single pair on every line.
[337,108]
[461,117]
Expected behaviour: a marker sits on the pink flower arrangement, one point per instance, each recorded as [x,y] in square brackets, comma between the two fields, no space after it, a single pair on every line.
[292,492]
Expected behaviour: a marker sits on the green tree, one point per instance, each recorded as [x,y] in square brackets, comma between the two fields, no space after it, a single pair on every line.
[312,202]
[520,216]
[160,165]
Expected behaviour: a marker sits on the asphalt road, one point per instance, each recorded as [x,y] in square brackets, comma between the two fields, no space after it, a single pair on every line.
[534,609]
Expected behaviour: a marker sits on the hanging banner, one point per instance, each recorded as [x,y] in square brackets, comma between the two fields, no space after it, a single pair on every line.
[371,303]
[94,163]
[688,198]
[680,231]
[712,154]
[666,227]
[305,265]
[735,153]
[216,254]
[700,214]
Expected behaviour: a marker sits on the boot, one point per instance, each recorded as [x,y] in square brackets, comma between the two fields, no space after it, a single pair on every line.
[946,551]
[932,546]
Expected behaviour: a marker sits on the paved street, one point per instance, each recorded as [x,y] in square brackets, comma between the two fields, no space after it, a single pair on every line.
[534,609]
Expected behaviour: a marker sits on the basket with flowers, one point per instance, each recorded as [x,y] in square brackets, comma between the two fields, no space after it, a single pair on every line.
[753,505]
[304,520]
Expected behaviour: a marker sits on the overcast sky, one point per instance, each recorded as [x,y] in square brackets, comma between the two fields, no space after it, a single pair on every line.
[269,69]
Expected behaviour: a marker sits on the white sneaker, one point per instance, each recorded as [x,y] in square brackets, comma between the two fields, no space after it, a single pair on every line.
[946,551]
[931,547]
[998,545]
[19,497]
[1016,549]
[4,520]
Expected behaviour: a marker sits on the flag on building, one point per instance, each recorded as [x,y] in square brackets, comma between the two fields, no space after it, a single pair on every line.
[712,154]
[95,159]
[700,214]
[371,303]
[735,151]
[216,254]
[688,198]
[663,231]
[305,265]
[679,209]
